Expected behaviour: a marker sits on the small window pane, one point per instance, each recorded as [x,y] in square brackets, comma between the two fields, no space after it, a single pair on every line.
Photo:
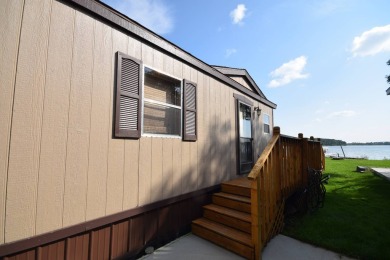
[162,88]
[159,119]
[245,121]
[266,123]
[266,119]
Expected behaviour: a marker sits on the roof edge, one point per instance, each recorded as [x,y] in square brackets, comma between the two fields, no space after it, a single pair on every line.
[106,13]
[240,72]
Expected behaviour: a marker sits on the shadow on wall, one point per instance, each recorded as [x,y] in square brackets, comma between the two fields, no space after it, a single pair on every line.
[204,163]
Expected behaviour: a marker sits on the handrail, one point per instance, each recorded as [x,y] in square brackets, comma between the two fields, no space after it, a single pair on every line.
[264,155]
[279,172]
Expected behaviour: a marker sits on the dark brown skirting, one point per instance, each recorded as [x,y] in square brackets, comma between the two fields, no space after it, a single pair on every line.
[124,234]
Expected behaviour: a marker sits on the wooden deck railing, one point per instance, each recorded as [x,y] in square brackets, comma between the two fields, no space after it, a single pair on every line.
[279,172]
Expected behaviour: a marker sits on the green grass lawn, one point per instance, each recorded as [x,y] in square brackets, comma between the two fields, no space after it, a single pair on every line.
[355,219]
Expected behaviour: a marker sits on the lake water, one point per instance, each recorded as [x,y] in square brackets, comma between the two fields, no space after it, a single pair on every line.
[373,152]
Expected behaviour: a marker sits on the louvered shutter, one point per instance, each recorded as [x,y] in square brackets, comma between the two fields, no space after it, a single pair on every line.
[128,97]
[190,111]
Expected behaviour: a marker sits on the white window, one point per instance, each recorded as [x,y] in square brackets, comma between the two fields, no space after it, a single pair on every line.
[167,106]
[162,110]
[266,123]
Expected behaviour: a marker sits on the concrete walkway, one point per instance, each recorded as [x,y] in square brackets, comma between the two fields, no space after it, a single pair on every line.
[282,247]
[383,172]
[191,247]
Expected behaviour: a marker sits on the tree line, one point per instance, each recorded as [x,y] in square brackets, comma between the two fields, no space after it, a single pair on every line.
[331,142]
[370,143]
[334,142]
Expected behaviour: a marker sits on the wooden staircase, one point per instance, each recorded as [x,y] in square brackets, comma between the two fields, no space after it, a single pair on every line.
[227,221]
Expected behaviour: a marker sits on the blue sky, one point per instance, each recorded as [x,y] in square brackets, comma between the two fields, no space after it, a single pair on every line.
[322,62]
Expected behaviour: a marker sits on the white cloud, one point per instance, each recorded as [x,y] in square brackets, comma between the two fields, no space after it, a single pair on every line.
[372,42]
[329,7]
[343,113]
[153,14]
[288,72]
[229,52]
[238,14]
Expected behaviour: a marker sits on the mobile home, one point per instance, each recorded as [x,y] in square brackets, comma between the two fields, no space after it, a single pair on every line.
[111,137]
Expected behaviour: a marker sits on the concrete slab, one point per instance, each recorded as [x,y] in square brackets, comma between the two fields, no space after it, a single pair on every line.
[282,247]
[191,247]
[383,172]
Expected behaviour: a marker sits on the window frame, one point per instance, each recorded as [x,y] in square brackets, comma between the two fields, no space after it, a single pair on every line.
[155,102]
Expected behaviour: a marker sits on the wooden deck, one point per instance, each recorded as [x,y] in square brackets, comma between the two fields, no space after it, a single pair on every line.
[249,211]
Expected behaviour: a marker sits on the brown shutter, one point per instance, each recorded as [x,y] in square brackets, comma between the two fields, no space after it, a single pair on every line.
[189,112]
[128,97]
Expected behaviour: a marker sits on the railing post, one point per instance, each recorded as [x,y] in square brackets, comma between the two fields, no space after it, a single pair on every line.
[276,130]
[256,218]
[305,159]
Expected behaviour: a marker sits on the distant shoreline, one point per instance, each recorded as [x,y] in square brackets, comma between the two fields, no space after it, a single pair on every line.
[351,144]
[375,152]
[336,142]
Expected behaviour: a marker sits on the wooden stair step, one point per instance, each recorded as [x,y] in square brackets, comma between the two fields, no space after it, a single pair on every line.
[232,201]
[229,212]
[240,186]
[229,238]
[229,217]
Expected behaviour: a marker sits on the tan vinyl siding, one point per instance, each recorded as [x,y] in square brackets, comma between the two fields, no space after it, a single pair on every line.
[131,167]
[27,122]
[50,200]
[167,170]
[10,23]
[145,171]
[233,135]
[59,162]
[262,140]
[176,166]
[194,162]
[130,179]
[116,147]
[157,163]
[201,164]
[186,156]
[77,156]
[217,131]
[100,122]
